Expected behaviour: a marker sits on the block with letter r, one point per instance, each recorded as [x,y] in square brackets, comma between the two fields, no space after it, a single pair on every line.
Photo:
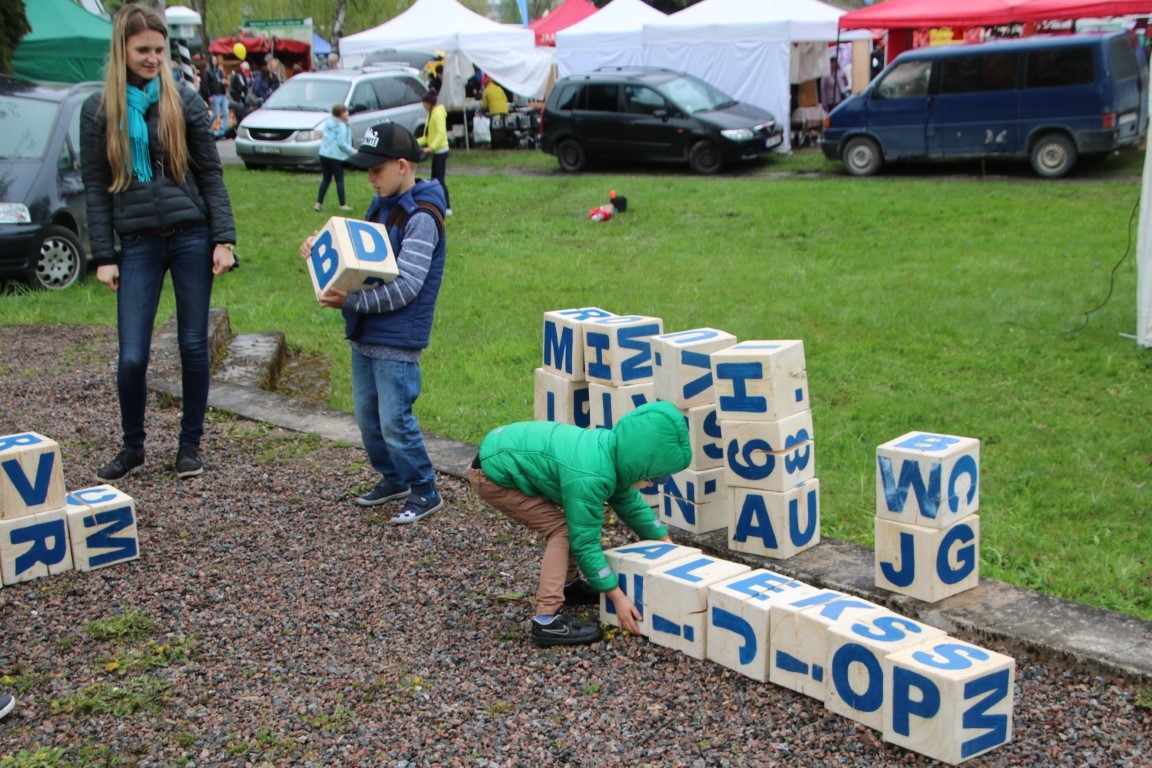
[608,404]
[564,340]
[631,563]
[102,527]
[561,400]
[761,380]
[928,479]
[31,475]
[618,350]
[678,601]
[928,564]
[776,525]
[33,546]
[351,255]
[683,365]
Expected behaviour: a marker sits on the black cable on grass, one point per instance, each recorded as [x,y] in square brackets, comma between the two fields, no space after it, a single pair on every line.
[1111,285]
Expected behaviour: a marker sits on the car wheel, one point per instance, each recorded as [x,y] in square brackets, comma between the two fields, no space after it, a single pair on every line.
[704,158]
[1053,156]
[571,156]
[62,262]
[862,157]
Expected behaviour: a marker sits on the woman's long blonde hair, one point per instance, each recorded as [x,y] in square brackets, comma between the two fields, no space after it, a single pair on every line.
[130,20]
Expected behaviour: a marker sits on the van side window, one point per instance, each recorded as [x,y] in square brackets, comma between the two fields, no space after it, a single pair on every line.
[364,99]
[566,99]
[640,100]
[601,97]
[909,78]
[1061,67]
[973,74]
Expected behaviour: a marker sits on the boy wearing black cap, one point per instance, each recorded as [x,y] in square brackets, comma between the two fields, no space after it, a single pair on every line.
[390,324]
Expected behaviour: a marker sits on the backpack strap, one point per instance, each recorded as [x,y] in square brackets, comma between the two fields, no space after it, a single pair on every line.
[399,217]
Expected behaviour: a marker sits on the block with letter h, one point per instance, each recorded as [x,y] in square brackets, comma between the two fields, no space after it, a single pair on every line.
[632,563]
[928,564]
[564,340]
[776,525]
[102,527]
[739,613]
[33,546]
[705,437]
[695,501]
[683,365]
[678,601]
[351,255]
[608,404]
[560,399]
[618,350]
[927,479]
[31,475]
[760,380]
[769,455]
[949,700]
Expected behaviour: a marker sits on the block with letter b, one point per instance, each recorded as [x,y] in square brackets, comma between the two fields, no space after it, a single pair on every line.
[928,564]
[949,700]
[631,563]
[683,365]
[561,400]
[776,525]
[102,527]
[928,479]
[761,380]
[618,350]
[33,546]
[678,601]
[351,255]
[695,501]
[770,455]
[564,340]
[31,475]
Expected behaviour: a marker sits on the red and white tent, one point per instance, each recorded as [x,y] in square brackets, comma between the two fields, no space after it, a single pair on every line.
[562,17]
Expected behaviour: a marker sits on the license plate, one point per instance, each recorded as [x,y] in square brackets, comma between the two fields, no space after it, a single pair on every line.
[775,141]
[266,150]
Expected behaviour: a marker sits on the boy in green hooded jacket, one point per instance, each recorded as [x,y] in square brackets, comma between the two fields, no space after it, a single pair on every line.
[556,479]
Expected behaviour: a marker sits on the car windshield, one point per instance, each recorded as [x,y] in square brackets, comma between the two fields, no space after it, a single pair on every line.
[25,127]
[693,95]
[312,94]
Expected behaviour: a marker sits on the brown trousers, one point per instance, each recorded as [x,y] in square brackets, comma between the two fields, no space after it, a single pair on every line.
[558,566]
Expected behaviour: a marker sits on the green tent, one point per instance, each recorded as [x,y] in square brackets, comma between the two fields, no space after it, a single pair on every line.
[67,44]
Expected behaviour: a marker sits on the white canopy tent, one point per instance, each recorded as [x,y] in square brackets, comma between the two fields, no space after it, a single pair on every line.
[505,51]
[611,37]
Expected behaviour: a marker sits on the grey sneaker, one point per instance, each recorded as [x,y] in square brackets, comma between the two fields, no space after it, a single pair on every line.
[121,466]
[7,704]
[188,462]
[417,508]
[564,630]
[384,491]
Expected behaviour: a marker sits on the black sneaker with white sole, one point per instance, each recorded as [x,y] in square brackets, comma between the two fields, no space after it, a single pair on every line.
[188,462]
[564,630]
[121,466]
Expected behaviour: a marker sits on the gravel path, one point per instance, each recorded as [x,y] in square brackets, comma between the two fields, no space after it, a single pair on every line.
[289,628]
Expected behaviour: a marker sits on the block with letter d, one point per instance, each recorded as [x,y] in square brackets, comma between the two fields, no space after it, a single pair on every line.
[928,564]
[608,404]
[705,437]
[770,455]
[928,479]
[631,563]
[695,501]
[678,601]
[351,255]
[618,350]
[31,475]
[776,525]
[760,380]
[102,527]
[564,340]
[33,546]
[683,365]
[949,700]
[561,400]
[739,612]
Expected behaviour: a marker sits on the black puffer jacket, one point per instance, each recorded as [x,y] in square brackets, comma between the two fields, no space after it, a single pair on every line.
[162,203]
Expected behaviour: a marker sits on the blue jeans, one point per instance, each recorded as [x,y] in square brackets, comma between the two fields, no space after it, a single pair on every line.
[383,392]
[187,254]
[220,109]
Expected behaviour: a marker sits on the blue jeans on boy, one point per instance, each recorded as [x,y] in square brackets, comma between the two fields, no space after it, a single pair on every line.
[220,109]
[187,254]
[383,392]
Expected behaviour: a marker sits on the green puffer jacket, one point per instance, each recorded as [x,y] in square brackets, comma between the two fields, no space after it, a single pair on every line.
[581,469]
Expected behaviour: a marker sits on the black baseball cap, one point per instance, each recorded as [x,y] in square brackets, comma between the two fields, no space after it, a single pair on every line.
[387,141]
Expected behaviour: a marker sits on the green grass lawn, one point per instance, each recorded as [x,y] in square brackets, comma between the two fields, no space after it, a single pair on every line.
[929,298]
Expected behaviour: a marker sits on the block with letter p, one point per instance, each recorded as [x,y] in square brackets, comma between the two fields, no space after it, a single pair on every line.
[560,399]
[776,525]
[928,564]
[33,546]
[631,563]
[949,700]
[761,380]
[927,479]
[678,601]
[31,475]
[618,350]
[683,365]
[351,255]
[564,340]
[102,527]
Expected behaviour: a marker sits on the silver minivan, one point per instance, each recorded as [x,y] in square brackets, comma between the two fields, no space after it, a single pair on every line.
[285,131]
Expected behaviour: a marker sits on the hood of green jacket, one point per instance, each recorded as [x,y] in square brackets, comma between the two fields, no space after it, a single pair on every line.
[651,441]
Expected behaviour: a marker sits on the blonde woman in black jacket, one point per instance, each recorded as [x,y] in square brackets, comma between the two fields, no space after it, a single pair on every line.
[153,177]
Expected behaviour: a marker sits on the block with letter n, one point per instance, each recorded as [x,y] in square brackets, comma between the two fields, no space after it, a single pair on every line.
[769,455]
[695,500]
[760,380]
[683,365]
[33,546]
[678,601]
[102,527]
[564,340]
[776,525]
[31,475]
[631,563]
[618,350]
[560,399]
[928,479]
[928,564]
[351,255]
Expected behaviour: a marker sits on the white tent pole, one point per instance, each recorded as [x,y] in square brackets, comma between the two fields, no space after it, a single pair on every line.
[1144,257]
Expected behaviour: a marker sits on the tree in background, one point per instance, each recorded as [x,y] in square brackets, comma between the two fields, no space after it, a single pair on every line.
[13,26]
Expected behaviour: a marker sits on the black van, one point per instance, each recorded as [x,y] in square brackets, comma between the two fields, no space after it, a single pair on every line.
[648,113]
[1050,99]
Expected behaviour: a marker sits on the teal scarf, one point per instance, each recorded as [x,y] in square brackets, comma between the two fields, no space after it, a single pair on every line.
[138,102]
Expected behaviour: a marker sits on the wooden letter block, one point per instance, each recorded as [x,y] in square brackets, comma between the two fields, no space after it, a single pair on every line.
[776,525]
[770,455]
[678,602]
[607,404]
[705,437]
[618,350]
[928,564]
[561,400]
[738,619]
[683,365]
[858,667]
[761,380]
[31,475]
[102,527]
[33,546]
[695,501]
[799,642]
[927,479]
[949,700]
[631,563]
[351,255]
[564,340]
